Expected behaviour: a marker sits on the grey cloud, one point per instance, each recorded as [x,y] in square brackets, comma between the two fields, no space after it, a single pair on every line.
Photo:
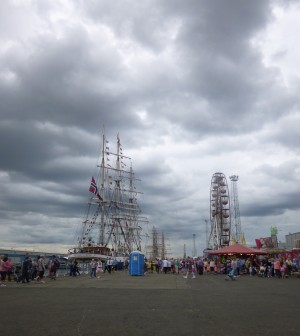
[206,94]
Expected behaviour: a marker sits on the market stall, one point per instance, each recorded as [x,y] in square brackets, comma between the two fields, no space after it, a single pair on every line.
[237,249]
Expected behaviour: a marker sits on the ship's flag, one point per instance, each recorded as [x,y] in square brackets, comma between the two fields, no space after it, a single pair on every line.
[94,189]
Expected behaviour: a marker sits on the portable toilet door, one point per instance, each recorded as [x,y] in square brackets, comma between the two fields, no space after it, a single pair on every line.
[136,263]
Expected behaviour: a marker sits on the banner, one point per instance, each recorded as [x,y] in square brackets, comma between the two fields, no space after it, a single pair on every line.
[267,242]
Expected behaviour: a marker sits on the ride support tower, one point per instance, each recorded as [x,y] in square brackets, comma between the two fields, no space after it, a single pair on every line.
[235,209]
[194,245]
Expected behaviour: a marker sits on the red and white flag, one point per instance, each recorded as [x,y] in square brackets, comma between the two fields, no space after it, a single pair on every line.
[94,189]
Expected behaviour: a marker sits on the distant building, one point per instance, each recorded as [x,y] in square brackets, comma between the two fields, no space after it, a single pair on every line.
[17,256]
[292,240]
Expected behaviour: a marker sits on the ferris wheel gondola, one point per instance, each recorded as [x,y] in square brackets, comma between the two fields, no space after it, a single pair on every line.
[219,212]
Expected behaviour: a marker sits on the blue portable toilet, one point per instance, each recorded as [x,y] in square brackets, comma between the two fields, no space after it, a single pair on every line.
[136,263]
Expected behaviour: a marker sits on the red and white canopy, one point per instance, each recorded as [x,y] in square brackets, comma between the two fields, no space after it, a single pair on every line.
[237,249]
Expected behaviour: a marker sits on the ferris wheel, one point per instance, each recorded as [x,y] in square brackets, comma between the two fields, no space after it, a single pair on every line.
[219,212]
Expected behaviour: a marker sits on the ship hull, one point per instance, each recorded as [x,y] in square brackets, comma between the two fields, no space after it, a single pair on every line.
[95,252]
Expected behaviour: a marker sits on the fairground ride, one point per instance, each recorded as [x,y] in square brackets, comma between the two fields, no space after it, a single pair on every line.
[219,212]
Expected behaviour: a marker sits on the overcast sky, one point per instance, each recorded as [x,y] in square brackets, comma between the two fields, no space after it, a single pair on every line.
[193,88]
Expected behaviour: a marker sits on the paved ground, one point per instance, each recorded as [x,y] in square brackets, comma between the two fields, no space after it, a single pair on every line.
[119,304]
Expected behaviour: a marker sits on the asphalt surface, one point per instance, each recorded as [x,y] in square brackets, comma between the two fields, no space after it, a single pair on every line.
[120,304]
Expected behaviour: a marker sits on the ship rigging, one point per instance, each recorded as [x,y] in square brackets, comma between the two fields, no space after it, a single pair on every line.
[113,223]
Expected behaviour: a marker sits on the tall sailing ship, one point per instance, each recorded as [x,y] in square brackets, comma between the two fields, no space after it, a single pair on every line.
[113,223]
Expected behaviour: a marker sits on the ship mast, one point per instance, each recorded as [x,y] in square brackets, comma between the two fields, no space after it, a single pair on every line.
[118,195]
[113,216]
[102,222]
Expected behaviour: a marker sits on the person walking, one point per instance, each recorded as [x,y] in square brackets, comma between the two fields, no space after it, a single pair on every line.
[3,269]
[52,266]
[157,265]
[283,270]
[26,269]
[34,270]
[9,269]
[234,266]
[41,269]
[277,268]
[93,266]
[75,269]
[190,266]
[109,265]
[165,265]
[200,266]
[176,265]
[212,265]
[99,266]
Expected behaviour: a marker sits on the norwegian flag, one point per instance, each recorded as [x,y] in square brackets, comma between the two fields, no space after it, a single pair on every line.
[94,189]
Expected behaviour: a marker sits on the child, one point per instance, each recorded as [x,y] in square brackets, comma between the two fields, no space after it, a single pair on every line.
[282,270]
[99,268]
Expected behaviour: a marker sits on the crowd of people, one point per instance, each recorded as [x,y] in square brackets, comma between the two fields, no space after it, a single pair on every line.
[29,270]
[233,267]
[97,266]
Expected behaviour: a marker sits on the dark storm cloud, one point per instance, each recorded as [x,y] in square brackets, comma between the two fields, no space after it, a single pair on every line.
[277,193]
[287,132]
[266,206]
[218,74]
[181,82]
[287,172]
[223,68]
[37,150]
[143,23]
[62,82]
